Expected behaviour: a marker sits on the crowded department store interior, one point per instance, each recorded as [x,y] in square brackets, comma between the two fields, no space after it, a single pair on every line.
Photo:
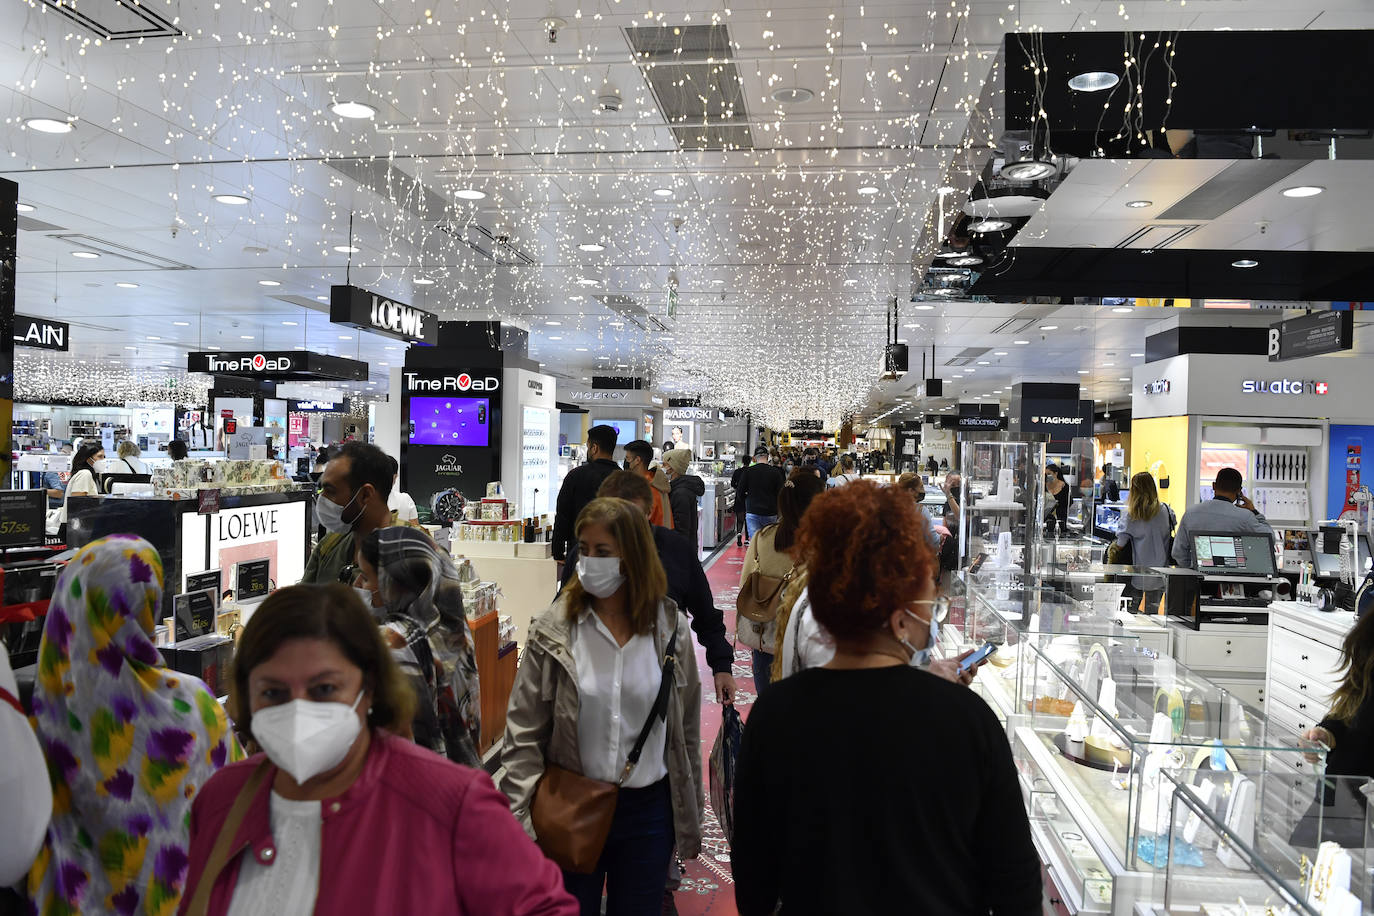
[552,457]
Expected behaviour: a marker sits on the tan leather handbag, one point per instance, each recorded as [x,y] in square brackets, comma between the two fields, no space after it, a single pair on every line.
[759,595]
[572,813]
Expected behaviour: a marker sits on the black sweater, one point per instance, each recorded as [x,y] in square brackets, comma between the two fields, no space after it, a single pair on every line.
[758,487]
[879,791]
[578,489]
[1353,754]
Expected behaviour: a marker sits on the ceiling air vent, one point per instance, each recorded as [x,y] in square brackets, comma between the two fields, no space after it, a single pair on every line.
[123,252]
[29,224]
[116,20]
[701,99]
[633,312]
[493,246]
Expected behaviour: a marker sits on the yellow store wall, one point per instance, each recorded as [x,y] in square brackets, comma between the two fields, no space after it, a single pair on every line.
[1160,445]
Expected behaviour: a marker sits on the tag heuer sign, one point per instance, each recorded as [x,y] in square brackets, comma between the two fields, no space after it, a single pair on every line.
[42,333]
[358,308]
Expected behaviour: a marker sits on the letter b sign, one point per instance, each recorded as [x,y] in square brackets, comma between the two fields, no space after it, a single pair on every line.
[1273,343]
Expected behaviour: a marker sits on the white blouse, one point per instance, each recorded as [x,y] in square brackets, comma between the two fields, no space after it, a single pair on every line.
[616,687]
[288,884]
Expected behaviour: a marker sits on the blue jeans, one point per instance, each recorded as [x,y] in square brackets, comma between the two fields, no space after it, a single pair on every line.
[635,859]
[755,522]
[763,670]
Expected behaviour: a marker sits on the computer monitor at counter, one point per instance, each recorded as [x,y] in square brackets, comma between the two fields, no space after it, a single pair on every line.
[1234,554]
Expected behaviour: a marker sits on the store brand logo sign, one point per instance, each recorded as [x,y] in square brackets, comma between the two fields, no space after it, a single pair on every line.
[239,526]
[1288,386]
[40,333]
[255,363]
[980,422]
[1057,421]
[449,465]
[536,386]
[1158,386]
[598,395]
[463,381]
[402,320]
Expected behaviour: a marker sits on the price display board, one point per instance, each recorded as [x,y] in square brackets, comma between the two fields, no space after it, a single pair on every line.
[195,614]
[22,514]
[209,580]
[252,579]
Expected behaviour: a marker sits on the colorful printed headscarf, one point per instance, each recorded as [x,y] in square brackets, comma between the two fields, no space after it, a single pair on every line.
[424,604]
[128,740]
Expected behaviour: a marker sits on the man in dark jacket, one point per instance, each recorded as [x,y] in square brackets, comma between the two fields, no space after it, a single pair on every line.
[738,508]
[759,486]
[687,582]
[580,486]
[685,490]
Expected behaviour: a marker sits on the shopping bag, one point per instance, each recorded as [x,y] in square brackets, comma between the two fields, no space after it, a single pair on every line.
[724,754]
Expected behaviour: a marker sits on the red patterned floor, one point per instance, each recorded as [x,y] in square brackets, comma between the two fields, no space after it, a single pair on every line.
[707,887]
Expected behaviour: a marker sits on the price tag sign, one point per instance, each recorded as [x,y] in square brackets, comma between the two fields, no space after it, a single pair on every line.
[195,614]
[205,581]
[252,579]
[208,502]
[22,514]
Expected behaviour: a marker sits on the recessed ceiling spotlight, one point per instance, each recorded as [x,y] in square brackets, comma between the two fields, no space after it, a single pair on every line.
[289,324]
[1093,81]
[663,192]
[470,194]
[580,349]
[793,95]
[1082,371]
[233,200]
[554,337]
[591,246]
[346,249]
[1123,379]
[354,110]
[1138,204]
[1122,309]
[423,281]
[213,347]
[1108,365]
[322,298]
[1245,263]
[151,337]
[1000,353]
[1020,343]
[24,208]
[245,337]
[269,283]
[868,190]
[1049,327]
[966,260]
[945,190]
[553,324]
[85,255]
[1028,170]
[1137,354]
[130,348]
[984,362]
[345,337]
[587,281]
[182,324]
[990,225]
[1303,190]
[254,249]
[49,125]
[125,284]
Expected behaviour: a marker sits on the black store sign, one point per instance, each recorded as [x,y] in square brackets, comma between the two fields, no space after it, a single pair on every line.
[1063,420]
[1311,335]
[41,333]
[807,426]
[973,423]
[430,469]
[358,308]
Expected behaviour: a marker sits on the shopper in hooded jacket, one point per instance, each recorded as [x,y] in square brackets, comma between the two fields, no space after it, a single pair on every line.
[685,490]
[343,816]
[587,683]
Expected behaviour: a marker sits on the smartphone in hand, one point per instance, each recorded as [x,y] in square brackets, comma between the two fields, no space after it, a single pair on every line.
[977,657]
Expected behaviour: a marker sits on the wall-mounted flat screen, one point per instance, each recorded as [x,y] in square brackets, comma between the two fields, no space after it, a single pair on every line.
[450,421]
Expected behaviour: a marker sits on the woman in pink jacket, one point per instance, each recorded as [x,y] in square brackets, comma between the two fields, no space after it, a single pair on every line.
[341,815]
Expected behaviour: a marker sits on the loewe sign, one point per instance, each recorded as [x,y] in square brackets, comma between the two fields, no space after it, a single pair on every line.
[358,308]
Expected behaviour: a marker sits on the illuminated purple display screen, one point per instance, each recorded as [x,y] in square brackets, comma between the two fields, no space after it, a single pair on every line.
[450,421]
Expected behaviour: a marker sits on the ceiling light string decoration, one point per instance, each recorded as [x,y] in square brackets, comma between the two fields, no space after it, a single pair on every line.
[48,380]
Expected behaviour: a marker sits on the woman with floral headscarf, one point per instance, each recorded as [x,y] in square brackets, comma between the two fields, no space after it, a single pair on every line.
[420,601]
[128,741]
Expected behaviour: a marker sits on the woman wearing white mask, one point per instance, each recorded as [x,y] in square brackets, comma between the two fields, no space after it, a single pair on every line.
[608,668]
[874,835]
[341,815]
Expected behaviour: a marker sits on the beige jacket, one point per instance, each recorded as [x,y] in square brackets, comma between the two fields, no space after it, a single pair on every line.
[541,721]
[762,557]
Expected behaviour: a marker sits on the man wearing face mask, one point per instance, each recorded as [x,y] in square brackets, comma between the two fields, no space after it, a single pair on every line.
[351,504]
[956,812]
[639,458]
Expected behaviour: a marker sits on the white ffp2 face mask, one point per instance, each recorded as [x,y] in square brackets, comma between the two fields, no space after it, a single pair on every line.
[306,738]
[600,576]
[330,514]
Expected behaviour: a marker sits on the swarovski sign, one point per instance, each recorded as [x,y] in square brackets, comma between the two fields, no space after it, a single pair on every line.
[692,413]
[463,381]
[358,308]
[1286,386]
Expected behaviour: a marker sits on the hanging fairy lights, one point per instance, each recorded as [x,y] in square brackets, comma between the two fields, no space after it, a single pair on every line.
[50,380]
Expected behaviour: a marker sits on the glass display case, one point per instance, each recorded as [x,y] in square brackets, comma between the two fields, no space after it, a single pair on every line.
[1261,843]
[1001,504]
[1097,719]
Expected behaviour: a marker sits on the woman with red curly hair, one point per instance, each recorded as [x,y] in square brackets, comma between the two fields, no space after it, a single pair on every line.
[930,819]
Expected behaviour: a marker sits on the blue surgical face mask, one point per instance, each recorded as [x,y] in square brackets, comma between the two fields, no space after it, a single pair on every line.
[920,658]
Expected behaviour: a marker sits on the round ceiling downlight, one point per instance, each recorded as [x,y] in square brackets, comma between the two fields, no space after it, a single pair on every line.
[1028,170]
[470,194]
[965,260]
[1138,204]
[868,190]
[592,247]
[990,225]
[85,255]
[793,95]
[49,125]
[233,200]
[1303,190]
[423,281]
[354,110]
[1245,263]
[1093,81]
